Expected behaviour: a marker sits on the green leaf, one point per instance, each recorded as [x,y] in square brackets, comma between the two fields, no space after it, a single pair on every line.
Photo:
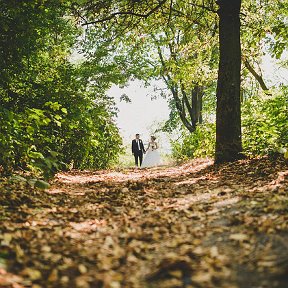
[42,184]
[17,178]
[64,110]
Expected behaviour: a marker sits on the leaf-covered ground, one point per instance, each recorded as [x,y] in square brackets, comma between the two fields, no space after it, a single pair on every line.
[195,225]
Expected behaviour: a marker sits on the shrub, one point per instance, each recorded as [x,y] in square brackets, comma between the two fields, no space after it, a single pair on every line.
[265,124]
[199,144]
[264,130]
[47,140]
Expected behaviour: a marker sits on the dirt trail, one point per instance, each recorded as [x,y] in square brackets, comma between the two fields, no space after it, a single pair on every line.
[195,225]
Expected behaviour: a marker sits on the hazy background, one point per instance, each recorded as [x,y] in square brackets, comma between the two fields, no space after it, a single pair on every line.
[143,115]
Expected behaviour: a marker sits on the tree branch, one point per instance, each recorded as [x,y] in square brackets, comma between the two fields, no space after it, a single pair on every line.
[257,76]
[204,7]
[121,13]
[170,11]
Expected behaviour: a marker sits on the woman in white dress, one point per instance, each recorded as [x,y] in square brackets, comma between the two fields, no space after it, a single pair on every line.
[152,157]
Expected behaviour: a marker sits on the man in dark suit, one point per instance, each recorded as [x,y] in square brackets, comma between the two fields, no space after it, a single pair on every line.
[138,149]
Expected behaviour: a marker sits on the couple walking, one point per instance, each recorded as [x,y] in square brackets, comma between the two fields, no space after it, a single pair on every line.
[152,157]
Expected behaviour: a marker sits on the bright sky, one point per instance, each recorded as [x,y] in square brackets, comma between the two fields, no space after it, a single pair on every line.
[273,72]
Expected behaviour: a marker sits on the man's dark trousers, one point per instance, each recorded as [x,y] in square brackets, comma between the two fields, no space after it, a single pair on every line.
[137,150]
[138,157]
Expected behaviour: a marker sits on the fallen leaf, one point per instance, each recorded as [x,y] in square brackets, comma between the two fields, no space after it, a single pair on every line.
[239,237]
[33,274]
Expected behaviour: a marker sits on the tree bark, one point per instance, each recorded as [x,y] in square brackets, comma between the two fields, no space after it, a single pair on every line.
[196,108]
[180,105]
[228,114]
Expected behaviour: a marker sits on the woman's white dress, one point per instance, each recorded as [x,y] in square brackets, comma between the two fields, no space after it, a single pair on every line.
[152,157]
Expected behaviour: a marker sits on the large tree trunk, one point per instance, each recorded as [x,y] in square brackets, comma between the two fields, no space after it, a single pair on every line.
[228,115]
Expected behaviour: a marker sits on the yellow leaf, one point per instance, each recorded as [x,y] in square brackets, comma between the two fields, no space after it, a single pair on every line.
[82,282]
[33,274]
[267,263]
[115,284]
[82,269]
[214,251]
[176,273]
[239,237]
[64,280]
[46,248]
[53,276]
[19,251]
[6,239]
[201,277]
[198,250]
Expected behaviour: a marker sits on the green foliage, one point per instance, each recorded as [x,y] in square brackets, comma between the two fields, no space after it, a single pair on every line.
[53,112]
[32,182]
[46,139]
[265,124]
[198,144]
[25,140]
[92,141]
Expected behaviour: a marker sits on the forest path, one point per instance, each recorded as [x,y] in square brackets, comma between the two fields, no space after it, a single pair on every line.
[194,225]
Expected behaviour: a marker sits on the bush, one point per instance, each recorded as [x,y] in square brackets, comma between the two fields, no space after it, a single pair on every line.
[264,130]
[265,124]
[199,144]
[54,111]
[25,141]
[47,140]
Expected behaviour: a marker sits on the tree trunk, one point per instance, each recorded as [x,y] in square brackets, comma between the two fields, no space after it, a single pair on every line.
[201,107]
[228,115]
[180,106]
[196,107]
